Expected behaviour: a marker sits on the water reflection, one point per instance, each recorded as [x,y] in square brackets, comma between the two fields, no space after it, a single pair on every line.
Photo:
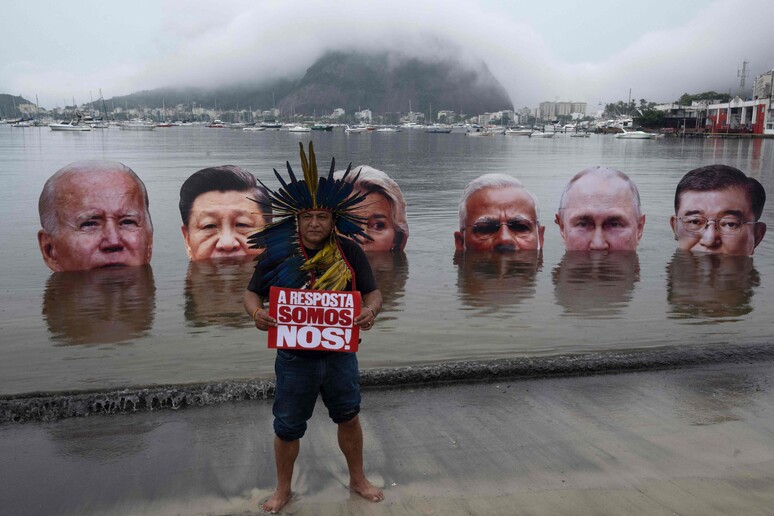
[99,306]
[596,284]
[492,279]
[214,289]
[109,440]
[755,159]
[714,286]
[391,272]
[714,396]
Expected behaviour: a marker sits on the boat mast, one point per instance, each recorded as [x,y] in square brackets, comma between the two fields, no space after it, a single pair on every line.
[104,108]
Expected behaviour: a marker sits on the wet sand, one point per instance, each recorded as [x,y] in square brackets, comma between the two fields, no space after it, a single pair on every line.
[695,440]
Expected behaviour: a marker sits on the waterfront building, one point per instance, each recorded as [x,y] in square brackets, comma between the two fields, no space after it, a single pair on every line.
[553,110]
[679,118]
[27,109]
[413,117]
[445,116]
[485,119]
[763,87]
[364,115]
[508,116]
[742,116]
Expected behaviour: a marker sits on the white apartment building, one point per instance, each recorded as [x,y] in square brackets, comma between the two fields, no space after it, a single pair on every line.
[364,115]
[448,115]
[553,110]
[763,86]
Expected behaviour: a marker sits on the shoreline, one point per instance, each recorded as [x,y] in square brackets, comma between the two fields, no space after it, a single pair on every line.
[53,406]
[690,440]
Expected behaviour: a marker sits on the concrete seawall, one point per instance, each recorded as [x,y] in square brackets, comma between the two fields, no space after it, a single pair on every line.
[60,405]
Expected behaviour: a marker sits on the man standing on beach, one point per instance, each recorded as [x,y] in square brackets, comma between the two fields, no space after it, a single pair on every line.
[600,211]
[313,211]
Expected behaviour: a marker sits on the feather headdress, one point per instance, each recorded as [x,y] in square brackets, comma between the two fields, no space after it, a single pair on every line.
[283,262]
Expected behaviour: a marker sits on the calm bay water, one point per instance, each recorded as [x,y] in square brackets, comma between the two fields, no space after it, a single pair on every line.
[175,322]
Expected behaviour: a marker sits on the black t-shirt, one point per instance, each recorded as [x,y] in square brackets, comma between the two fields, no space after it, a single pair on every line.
[353,253]
[364,282]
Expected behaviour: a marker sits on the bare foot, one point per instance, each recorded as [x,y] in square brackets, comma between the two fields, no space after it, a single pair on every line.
[277,501]
[367,491]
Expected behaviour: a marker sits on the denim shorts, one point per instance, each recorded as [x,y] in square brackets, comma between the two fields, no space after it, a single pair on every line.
[301,376]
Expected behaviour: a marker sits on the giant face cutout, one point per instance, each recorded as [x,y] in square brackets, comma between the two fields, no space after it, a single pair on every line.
[599,214]
[102,221]
[717,222]
[500,219]
[219,225]
[378,212]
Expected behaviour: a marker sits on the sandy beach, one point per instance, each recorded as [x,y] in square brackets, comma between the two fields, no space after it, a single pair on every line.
[695,440]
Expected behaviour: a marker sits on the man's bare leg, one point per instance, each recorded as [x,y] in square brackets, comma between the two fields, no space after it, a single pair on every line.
[351,444]
[285,453]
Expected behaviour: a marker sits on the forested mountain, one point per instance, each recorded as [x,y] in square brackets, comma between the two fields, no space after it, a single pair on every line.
[382,83]
[9,103]
[385,84]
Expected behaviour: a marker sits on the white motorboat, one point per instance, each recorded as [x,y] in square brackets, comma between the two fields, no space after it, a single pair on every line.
[634,135]
[22,123]
[438,129]
[541,134]
[356,129]
[72,125]
[518,132]
[254,128]
[388,129]
[137,125]
[300,129]
[478,133]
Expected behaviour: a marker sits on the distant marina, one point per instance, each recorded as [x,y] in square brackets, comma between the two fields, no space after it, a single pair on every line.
[734,119]
[706,115]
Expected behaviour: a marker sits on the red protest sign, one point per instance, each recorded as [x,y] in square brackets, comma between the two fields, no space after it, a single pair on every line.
[314,319]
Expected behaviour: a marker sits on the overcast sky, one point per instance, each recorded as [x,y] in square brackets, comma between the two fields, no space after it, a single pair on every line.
[593,51]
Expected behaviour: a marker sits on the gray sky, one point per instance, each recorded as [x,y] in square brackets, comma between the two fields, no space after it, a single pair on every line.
[550,50]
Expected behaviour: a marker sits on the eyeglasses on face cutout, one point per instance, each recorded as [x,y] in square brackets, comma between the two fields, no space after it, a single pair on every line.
[697,225]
